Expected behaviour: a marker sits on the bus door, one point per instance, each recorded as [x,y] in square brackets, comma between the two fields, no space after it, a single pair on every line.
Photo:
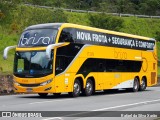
[59,77]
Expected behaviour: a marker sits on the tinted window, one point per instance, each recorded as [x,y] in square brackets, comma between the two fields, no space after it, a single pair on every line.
[81,36]
[65,55]
[32,64]
[67,35]
[109,65]
[37,37]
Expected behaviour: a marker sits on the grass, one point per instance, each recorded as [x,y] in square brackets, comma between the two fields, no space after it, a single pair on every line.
[141,26]
[6,66]
[78,18]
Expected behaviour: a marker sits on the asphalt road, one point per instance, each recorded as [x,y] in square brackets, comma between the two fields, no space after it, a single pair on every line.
[99,106]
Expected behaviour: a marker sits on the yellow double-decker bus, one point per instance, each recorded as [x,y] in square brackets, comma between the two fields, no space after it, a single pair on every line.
[63,57]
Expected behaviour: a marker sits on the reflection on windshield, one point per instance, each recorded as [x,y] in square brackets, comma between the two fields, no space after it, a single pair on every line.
[32,63]
[37,37]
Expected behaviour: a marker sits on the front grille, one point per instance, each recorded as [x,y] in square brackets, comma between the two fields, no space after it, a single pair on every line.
[30,85]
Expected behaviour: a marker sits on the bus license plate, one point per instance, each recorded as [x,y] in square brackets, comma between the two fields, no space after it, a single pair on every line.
[29,89]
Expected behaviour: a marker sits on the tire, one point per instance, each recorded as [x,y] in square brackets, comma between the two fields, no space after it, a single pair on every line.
[89,88]
[76,89]
[42,94]
[143,85]
[135,85]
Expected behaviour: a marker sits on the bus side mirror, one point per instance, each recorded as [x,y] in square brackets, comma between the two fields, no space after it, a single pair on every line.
[5,53]
[50,47]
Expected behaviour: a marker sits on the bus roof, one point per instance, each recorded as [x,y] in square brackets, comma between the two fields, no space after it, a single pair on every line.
[46,25]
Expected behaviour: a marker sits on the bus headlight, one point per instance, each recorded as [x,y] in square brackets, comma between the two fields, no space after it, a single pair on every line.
[46,82]
[16,83]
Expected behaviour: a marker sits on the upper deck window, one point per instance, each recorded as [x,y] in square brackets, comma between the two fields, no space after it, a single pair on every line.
[84,36]
[37,38]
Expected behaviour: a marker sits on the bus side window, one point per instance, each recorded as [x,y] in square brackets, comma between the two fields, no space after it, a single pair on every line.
[110,65]
[60,64]
[101,67]
[66,36]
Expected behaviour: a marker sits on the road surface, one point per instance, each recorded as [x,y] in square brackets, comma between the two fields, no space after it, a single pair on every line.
[99,106]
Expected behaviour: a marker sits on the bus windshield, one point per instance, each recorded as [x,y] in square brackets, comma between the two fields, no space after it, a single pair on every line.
[37,38]
[32,64]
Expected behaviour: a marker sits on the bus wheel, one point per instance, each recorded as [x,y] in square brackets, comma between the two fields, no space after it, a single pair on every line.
[135,85]
[42,94]
[89,88]
[76,89]
[143,84]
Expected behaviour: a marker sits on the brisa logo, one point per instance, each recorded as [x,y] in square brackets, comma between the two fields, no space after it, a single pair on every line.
[34,40]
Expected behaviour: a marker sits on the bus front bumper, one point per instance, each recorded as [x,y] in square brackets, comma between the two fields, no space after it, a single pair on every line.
[28,88]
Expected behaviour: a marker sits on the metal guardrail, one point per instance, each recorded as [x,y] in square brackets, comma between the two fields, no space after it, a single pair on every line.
[87,11]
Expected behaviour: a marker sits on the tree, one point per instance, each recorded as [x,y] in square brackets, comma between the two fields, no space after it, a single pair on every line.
[125,6]
[5,11]
[35,2]
[150,7]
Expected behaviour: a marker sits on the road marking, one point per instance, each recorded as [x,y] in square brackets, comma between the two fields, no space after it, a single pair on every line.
[108,108]
[126,105]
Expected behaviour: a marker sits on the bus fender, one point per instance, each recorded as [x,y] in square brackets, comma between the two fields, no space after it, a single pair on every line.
[81,79]
[90,76]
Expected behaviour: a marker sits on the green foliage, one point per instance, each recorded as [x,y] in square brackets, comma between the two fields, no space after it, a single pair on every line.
[34,2]
[150,7]
[147,7]
[125,6]
[7,40]
[158,49]
[106,21]
[13,2]
[59,16]
[22,16]
[157,37]
[5,13]
[141,26]
[78,18]
[14,20]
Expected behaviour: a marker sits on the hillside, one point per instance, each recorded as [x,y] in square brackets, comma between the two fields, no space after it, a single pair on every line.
[142,7]
[13,22]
